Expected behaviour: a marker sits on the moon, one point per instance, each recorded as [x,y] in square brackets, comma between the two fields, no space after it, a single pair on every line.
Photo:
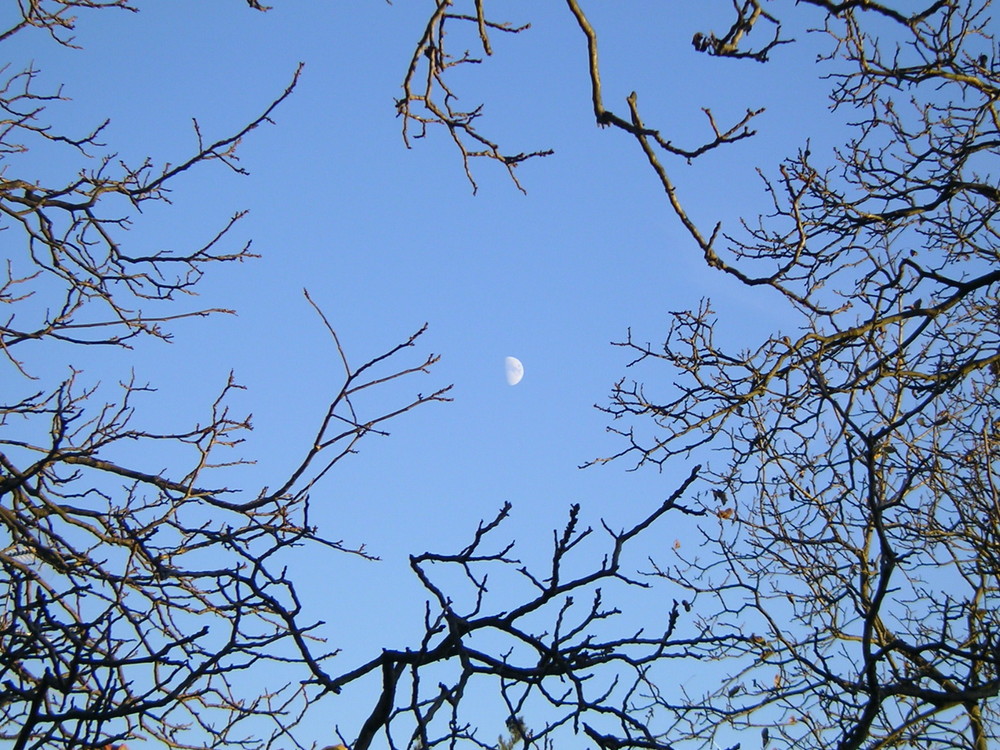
[513,369]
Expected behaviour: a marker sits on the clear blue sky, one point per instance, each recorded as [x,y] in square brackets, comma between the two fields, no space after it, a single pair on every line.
[387,238]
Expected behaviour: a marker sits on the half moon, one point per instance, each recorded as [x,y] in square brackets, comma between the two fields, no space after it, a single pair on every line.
[513,369]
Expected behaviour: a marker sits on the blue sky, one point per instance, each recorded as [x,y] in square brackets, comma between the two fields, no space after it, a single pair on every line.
[387,238]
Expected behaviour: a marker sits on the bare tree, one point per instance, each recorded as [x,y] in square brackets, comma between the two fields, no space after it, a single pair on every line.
[137,583]
[850,597]
[846,593]
[547,642]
